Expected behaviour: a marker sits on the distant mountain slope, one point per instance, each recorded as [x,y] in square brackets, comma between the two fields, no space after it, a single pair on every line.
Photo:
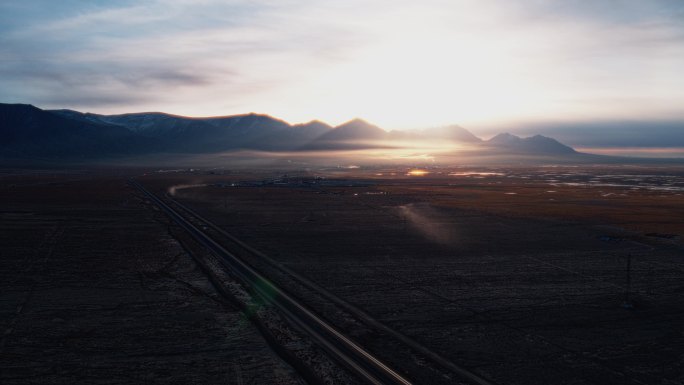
[296,136]
[27,131]
[534,145]
[354,134]
[174,133]
[651,133]
[171,133]
[445,134]
[452,133]
[200,135]
[264,132]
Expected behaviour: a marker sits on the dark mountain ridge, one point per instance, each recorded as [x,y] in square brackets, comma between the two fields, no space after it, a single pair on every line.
[354,134]
[29,132]
[176,133]
[537,144]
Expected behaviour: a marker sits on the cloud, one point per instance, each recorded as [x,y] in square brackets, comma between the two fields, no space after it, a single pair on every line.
[398,63]
[104,86]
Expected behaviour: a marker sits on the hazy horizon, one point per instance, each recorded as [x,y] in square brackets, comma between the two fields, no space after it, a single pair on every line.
[654,139]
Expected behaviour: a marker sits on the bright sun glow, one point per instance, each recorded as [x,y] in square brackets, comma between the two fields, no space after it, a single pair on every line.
[418,172]
[424,71]
[399,64]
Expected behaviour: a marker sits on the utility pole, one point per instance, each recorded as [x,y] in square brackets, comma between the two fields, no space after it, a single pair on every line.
[627,304]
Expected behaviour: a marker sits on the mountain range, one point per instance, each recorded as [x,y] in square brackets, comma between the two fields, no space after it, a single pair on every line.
[29,132]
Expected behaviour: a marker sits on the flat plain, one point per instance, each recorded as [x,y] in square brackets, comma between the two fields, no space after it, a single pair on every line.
[521,275]
[95,289]
[563,275]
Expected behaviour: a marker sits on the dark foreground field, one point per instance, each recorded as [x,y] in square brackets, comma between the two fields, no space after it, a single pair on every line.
[95,290]
[519,275]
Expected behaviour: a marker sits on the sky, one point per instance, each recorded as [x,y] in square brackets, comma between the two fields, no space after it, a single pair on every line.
[484,64]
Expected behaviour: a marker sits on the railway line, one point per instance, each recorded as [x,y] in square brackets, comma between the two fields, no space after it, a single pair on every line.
[463,374]
[340,347]
[359,314]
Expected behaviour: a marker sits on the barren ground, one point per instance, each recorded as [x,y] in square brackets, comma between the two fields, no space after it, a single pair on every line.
[93,289]
[517,274]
